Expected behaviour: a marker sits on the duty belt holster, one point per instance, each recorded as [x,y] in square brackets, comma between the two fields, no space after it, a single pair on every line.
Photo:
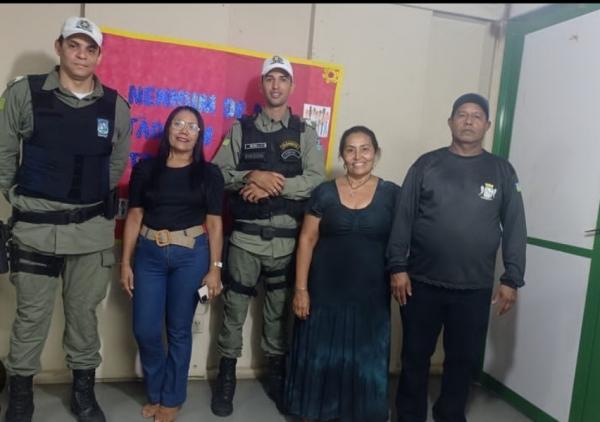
[35,263]
[111,204]
[107,208]
[265,232]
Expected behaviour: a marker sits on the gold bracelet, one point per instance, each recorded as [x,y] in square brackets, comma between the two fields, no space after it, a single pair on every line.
[303,289]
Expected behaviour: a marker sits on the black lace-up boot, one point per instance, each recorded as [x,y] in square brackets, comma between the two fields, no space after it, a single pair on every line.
[83,399]
[222,399]
[275,382]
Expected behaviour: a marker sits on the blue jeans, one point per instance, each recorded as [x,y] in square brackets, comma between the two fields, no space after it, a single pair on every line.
[166,280]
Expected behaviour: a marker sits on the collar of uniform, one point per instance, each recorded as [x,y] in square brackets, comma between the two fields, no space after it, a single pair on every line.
[265,121]
[53,82]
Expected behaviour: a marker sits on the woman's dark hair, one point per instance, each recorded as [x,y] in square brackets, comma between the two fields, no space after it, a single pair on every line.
[164,148]
[358,129]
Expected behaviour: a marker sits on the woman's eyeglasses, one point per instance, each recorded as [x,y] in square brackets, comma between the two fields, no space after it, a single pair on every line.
[180,124]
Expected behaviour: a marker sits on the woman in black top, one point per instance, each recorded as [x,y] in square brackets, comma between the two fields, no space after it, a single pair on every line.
[171,197]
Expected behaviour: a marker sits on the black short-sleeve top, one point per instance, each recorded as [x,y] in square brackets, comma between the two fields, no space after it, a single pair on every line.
[179,197]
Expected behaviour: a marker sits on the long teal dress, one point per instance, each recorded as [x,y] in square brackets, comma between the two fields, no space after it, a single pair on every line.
[338,366]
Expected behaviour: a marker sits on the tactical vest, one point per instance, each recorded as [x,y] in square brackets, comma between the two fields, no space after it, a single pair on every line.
[276,151]
[67,157]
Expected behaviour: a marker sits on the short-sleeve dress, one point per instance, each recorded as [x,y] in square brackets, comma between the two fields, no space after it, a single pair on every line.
[340,355]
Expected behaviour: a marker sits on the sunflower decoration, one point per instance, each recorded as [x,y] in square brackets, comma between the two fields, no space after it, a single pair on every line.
[331,76]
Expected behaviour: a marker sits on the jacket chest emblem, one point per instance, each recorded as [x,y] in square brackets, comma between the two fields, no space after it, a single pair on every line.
[487,191]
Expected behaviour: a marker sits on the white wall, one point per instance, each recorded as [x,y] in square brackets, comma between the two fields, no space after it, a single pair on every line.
[403,66]
[30,50]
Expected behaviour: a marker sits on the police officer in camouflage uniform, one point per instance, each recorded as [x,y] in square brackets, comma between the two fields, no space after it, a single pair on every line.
[74,134]
[271,162]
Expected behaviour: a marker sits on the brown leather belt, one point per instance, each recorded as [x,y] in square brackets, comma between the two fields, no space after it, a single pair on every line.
[184,237]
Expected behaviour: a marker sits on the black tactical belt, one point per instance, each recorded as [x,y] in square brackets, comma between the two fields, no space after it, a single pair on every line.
[265,232]
[78,215]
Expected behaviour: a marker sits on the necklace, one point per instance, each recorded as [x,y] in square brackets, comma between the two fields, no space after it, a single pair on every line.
[358,186]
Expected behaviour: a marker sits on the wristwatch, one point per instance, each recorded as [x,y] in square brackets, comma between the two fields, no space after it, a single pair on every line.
[218,264]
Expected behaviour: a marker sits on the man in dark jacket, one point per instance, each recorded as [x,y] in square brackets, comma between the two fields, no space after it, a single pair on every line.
[457,204]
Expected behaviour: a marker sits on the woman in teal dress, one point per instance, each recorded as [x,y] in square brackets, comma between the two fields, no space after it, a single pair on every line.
[340,352]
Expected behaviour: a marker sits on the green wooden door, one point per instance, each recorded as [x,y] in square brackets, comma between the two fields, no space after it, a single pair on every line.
[554,341]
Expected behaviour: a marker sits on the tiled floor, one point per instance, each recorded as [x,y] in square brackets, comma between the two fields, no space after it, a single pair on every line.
[122,403]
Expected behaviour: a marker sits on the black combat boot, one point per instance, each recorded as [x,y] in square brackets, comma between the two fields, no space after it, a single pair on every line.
[275,382]
[20,399]
[222,399]
[83,399]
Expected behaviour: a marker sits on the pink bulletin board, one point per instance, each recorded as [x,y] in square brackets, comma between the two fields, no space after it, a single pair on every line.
[157,74]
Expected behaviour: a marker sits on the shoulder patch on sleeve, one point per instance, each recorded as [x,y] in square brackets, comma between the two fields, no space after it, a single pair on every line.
[518,187]
[2,103]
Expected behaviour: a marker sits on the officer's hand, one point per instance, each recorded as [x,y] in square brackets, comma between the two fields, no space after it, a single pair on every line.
[127,279]
[301,304]
[270,181]
[401,287]
[212,280]
[252,193]
[505,297]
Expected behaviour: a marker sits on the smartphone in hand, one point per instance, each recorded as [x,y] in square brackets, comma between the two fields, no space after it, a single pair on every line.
[203,294]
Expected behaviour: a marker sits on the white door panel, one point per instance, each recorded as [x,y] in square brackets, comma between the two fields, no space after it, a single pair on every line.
[533,349]
[555,144]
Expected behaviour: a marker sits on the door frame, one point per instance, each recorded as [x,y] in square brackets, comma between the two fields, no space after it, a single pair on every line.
[584,388]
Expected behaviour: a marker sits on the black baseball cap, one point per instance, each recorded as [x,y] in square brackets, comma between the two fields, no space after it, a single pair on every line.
[472,98]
